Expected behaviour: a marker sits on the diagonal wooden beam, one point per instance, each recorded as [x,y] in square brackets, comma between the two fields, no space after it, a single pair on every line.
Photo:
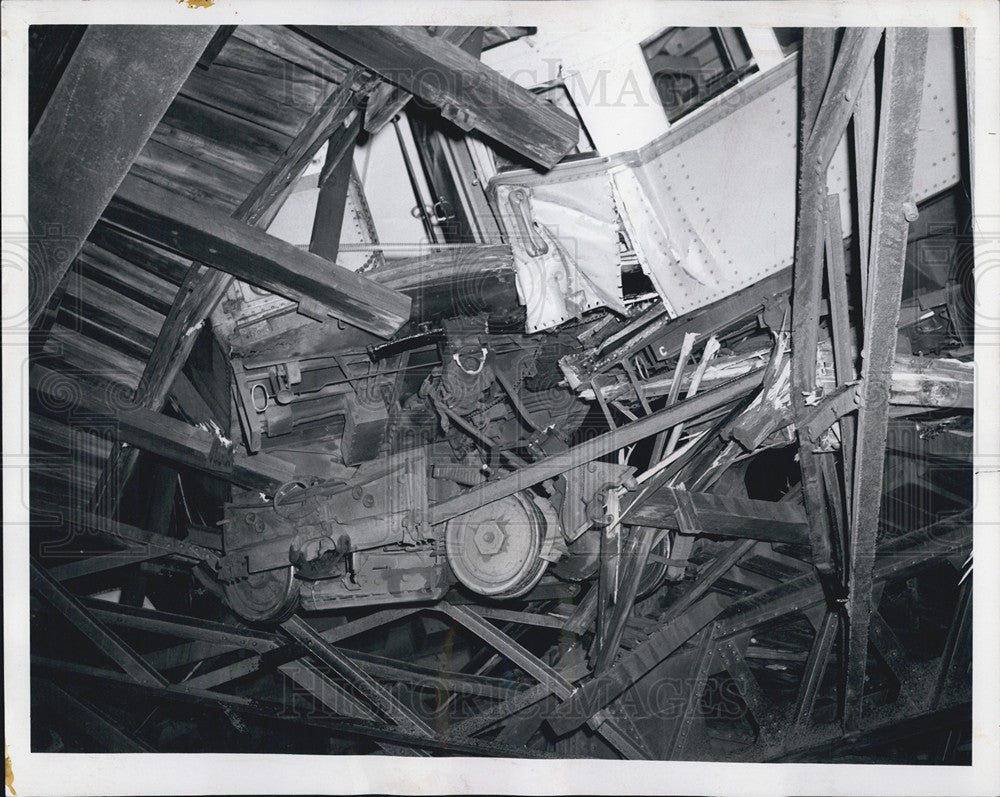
[313,680]
[141,544]
[819,46]
[84,143]
[210,236]
[104,562]
[723,563]
[334,183]
[93,722]
[380,697]
[846,79]
[600,446]
[110,644]
[554,680]
[947,537]
[175,440]
[276,711]
[863,140]
[696,666]
[388,100]
[815,669]
[601,690]
[635,555]
[764,713]
[470,94]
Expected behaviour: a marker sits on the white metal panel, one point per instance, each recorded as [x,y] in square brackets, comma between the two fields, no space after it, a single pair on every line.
[732,185]
[720,186]
[938,145]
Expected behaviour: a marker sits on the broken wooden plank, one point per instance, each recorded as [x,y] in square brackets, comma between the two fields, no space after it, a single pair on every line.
[666,335]
[83,144]
[210,236]
[388,100]
[465,280]
[470,94]
[932,382]
[334,183]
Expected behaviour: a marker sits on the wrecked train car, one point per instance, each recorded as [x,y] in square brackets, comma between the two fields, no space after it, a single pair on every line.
[386,374]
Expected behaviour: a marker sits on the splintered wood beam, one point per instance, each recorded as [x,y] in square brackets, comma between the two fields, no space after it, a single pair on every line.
[903,83]
[174,440]
[209,236]
[723,515]
[84,143]
[666,336]
[334,183]
[469,94]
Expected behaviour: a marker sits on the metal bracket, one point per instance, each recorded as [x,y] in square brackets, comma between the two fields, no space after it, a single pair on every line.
[533,244]
[829,410]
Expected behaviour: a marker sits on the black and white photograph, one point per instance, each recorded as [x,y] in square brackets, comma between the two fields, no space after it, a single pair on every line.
[582,396]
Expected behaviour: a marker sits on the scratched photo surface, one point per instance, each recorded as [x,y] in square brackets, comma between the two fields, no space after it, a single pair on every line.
[597,388]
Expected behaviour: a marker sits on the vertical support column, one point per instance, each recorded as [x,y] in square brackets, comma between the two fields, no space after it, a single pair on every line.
[905,56]
[823,126]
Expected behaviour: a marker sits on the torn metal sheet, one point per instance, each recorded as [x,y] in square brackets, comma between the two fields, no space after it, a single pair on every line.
[564,236]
